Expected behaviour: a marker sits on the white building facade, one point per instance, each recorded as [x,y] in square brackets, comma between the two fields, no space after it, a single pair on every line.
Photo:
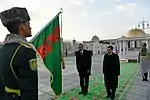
[126,46]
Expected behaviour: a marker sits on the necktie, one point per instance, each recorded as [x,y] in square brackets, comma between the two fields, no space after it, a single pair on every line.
[81,52]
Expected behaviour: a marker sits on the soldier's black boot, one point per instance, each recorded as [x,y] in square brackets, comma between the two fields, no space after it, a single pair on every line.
[108,93]
[146,75]
[143,77]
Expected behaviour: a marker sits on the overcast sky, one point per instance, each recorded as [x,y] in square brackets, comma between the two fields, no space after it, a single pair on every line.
[83,19]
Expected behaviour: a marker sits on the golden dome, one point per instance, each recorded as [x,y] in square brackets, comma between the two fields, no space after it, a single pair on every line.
[136,33]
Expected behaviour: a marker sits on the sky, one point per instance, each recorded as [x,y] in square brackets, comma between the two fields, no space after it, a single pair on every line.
[82,19]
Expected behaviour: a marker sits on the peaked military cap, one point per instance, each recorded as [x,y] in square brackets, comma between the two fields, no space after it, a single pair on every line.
[144,44]
[14,15]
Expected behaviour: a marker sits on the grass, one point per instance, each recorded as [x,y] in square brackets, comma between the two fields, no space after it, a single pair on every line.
[97,89]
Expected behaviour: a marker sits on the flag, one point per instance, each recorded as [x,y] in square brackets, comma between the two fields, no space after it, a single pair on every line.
[48,45]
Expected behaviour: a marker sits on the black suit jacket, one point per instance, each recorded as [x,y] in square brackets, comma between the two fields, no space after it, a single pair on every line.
[83,61]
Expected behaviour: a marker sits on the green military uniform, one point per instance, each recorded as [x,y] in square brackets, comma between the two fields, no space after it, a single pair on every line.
[2,90]
[18,70]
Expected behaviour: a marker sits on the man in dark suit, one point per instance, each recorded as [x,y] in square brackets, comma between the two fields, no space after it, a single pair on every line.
[83,63]
[111,71]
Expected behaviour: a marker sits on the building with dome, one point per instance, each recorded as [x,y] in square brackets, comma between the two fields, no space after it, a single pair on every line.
[127,46]
[136,33]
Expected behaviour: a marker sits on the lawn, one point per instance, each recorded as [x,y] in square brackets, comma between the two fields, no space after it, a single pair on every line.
[97,89]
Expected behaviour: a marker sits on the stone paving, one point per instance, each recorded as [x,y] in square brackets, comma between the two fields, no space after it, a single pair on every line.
[70,76]
[137,91]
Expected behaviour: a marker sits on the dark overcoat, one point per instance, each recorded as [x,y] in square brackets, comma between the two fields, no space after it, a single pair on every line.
[111,70]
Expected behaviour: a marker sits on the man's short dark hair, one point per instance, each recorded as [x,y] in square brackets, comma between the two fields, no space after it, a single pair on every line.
[111,47]
[80,44]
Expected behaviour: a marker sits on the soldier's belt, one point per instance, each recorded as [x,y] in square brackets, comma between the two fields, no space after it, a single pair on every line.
[15,91]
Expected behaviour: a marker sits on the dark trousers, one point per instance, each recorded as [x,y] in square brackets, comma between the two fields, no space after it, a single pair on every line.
[84,83]
[111,92]
[111,84]
[145,76]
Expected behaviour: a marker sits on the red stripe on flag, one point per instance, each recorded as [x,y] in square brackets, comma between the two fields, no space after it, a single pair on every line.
[47,45]
[55,36]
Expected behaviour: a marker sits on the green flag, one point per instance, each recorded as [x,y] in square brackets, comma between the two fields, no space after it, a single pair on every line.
[47,43]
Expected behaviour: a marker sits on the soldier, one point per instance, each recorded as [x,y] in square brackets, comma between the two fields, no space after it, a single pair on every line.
[143,59]
[19,59]
[2,90]
[18,69]
[83,63]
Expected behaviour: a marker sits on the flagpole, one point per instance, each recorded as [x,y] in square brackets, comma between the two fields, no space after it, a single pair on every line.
[61,11]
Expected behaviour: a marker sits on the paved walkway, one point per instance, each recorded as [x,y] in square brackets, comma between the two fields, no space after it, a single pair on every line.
[139,90]
[70,76]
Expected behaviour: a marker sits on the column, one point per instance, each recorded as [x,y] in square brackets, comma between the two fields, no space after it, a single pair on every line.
[133,44]
[120,49]
[126,48]
[147,42]
[138,43]
[101,46]
[116,45]
[124,51]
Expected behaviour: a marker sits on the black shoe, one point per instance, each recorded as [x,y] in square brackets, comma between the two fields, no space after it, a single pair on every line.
[145,80]
[85,93]
[80,92]
[112,97]
[108,96]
